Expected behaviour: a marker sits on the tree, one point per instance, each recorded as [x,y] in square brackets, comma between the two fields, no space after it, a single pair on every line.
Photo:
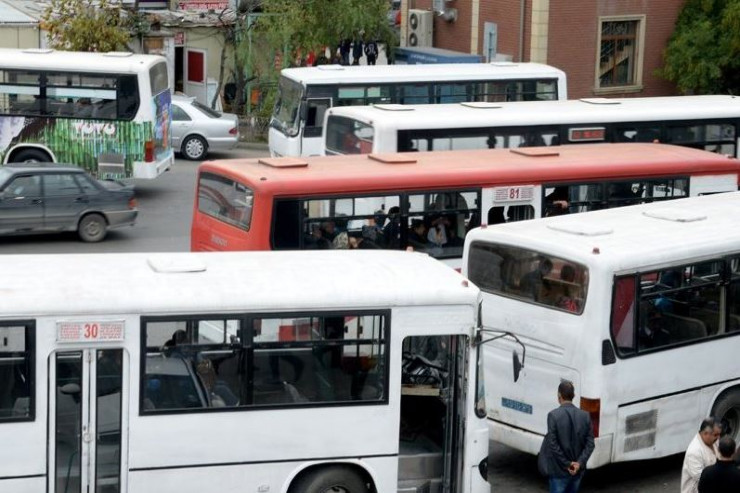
[702,56]
[301,26]
[87,25]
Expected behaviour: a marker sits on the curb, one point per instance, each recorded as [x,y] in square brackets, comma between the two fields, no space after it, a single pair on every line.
[256,146]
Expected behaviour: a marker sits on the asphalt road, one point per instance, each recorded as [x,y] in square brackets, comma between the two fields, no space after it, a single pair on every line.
[163,225]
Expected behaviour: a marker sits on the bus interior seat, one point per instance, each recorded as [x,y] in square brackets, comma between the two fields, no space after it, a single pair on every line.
[710,318]
[684,328]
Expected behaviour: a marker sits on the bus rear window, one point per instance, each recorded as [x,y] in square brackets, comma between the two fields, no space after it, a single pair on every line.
[225,199]
[529,275]
[158,78]
[348,136]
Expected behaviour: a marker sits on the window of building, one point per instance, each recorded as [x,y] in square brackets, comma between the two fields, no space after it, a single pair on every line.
[619,61]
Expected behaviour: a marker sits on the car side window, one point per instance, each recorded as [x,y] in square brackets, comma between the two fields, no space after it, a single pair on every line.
[60,185]
[25,186]
[179,115]
[86,184]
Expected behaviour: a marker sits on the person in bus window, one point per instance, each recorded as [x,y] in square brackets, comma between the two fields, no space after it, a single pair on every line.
[392,228]
[566,300]
[532,284]
[361,242]
[437,234]
[417,237]
[556,202]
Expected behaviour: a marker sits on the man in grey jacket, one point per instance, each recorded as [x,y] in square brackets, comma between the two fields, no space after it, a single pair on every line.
[570,442]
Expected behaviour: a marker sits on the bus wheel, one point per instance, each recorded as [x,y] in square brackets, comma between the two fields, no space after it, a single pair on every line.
[194,148]
[92,228]
[727,410]
[330,480]
[31,156]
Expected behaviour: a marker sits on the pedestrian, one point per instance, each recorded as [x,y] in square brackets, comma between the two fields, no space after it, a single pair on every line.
[568,443]
[344,48]
[356,52]
[700,454]
[371,52]
[723,476]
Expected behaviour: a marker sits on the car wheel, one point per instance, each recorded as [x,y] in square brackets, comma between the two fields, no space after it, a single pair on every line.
[92,228]
[31,156]
[194,148]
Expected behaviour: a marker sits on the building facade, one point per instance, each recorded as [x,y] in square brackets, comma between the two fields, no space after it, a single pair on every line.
[606,47]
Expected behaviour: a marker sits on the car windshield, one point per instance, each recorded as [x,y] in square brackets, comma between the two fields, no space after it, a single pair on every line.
[205,109]
[4,175]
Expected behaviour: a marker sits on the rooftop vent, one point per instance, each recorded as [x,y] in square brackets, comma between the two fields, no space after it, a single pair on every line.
[675,215]
[581,229]
[39,51]
[176,264]
[481,105]
[393,107]
[118,54]
[600,101]
[397,158]
[283,162]
[535,151]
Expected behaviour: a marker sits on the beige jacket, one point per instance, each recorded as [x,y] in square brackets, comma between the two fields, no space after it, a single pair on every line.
[698,456]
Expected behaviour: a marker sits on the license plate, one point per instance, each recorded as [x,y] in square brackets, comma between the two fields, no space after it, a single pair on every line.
[516,405]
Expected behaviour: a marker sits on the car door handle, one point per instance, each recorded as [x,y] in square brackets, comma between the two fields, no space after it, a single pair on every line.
[82,200]
[37,201]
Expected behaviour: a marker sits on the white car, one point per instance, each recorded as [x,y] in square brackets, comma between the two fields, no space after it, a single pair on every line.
[196,128]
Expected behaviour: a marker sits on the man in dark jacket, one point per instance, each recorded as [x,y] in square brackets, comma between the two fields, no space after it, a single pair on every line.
[723,476]
[570,442]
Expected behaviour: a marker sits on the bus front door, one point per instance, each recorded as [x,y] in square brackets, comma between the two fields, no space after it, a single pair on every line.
[85,420]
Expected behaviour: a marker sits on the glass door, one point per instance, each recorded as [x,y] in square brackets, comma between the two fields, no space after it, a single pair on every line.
[86,420]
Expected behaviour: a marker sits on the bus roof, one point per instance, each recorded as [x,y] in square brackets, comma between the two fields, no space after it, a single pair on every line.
[419,170]
[632,237]
[338,74]
[595,110]
[34,285]
[113,62]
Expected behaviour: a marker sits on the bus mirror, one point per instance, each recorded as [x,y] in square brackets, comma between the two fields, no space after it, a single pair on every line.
[70,389]
[304,112]
[517,365]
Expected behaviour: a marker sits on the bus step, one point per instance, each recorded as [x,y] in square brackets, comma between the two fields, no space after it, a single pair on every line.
[420,466]
[420,486]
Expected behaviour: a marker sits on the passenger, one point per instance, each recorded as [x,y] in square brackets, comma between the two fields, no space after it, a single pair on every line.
[556,202]
[417,237]
[437,234]
[701,453]
[532,284]
[329,230]
[361,242]
[392,228]
[496,215]
[316,240]
[566,301]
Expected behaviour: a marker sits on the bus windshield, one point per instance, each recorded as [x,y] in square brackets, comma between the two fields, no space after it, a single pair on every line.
[287,106]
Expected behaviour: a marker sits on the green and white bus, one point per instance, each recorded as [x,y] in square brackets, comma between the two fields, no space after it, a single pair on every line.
[106,112]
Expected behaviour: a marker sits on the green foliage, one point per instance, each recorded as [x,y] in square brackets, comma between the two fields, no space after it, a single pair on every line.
[86,25]
[300,26]
[702,56]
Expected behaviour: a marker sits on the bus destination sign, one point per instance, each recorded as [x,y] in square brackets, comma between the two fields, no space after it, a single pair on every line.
[586,134]
[93,330]
[513,194]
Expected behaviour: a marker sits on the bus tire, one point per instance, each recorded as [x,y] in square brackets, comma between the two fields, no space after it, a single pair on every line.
[194,147]
[727,410]
[340,479]
[92,228]
[31,156]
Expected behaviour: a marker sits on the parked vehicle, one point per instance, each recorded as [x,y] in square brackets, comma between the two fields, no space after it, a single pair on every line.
[46,198]
[196,128]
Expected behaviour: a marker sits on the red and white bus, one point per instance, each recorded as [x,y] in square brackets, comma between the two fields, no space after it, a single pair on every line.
[429,201]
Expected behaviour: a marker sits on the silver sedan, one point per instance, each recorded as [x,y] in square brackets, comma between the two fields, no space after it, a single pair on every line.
[196,128]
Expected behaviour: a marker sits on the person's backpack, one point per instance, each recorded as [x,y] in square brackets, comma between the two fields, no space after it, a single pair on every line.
[371,49]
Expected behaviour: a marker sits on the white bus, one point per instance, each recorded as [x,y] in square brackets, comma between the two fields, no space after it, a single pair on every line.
[106,112]
[261,371]
[702,122]
[305,94]
[638,306]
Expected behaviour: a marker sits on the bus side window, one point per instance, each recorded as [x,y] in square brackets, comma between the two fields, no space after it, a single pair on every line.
[287,228]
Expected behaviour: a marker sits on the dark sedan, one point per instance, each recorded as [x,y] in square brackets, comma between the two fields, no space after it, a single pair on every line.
[47,198]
